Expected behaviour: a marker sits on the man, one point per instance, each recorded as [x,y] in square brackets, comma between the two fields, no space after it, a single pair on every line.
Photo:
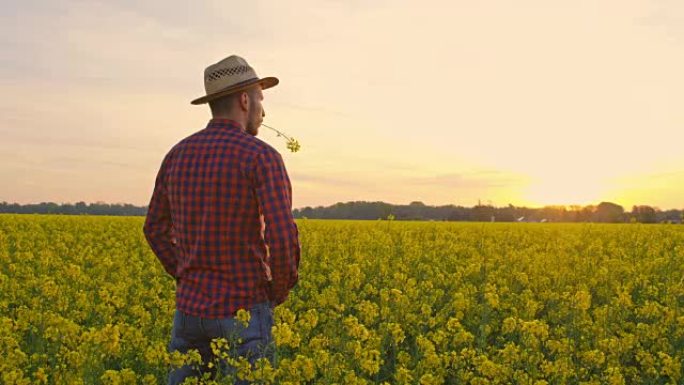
[220,221]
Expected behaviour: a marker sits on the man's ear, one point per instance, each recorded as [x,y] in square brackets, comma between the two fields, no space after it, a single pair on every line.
[244,101]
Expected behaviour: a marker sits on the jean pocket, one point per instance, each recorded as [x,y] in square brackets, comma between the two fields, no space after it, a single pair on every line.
[178,322]
[229,328]
[269,316]
[177,331]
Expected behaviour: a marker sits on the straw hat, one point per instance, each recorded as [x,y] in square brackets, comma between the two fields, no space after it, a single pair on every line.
[230,75]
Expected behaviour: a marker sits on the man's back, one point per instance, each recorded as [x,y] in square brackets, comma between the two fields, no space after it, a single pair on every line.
[205,222]
[220,222]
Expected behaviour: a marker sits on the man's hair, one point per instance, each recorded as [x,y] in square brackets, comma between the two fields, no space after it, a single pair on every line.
[225,104]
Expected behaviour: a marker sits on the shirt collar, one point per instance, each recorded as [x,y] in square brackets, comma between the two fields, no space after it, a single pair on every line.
[224,124]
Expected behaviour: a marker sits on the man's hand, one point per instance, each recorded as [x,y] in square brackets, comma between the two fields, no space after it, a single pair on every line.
[274,301]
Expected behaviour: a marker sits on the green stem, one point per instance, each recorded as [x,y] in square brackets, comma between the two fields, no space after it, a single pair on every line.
[277,132]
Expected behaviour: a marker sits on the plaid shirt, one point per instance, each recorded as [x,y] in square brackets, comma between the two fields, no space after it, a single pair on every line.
[220,222]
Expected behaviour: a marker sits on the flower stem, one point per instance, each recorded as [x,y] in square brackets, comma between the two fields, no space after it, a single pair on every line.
[278,132]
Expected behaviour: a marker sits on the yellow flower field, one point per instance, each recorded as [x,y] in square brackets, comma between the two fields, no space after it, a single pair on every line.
[83,300]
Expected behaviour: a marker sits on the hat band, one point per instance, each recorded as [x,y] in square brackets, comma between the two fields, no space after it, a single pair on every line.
[237,85]
[221,72]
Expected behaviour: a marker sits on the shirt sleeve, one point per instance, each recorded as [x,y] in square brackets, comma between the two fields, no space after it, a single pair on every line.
[158,227]
[274,194]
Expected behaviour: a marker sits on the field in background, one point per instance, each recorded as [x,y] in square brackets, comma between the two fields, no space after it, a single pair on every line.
[83,300]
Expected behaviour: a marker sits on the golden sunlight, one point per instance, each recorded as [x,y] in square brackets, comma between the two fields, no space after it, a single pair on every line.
[562,190]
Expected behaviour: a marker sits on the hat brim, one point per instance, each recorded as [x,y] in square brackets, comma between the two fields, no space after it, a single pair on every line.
[267,82]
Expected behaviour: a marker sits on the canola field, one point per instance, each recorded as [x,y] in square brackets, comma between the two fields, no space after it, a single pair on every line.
[83,300]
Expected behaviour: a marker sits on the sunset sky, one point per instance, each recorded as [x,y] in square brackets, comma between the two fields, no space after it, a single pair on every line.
[521,102]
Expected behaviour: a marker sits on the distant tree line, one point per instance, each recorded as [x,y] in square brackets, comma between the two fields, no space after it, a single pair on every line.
[605,212]
[79,208]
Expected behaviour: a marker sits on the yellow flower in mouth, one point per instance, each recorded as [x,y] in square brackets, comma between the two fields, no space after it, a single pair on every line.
[292,143]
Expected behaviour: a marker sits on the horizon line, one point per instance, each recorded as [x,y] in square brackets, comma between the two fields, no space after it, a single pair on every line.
[376,201]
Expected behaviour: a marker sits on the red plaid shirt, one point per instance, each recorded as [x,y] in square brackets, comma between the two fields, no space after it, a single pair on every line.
[220,222]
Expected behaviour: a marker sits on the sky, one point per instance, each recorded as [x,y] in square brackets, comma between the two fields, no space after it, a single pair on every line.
[525,102]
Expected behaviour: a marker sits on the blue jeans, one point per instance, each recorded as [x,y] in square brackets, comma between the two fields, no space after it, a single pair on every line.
[190,332]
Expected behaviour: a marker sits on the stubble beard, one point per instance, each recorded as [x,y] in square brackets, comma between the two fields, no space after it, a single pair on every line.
[252,127]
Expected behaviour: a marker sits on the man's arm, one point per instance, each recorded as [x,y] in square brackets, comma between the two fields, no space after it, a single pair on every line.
[274,193]
[158,224]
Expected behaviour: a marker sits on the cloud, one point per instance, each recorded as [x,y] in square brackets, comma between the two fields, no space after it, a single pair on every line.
[666,15]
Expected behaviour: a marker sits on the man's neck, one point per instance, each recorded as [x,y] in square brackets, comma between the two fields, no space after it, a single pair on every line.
[241,120]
